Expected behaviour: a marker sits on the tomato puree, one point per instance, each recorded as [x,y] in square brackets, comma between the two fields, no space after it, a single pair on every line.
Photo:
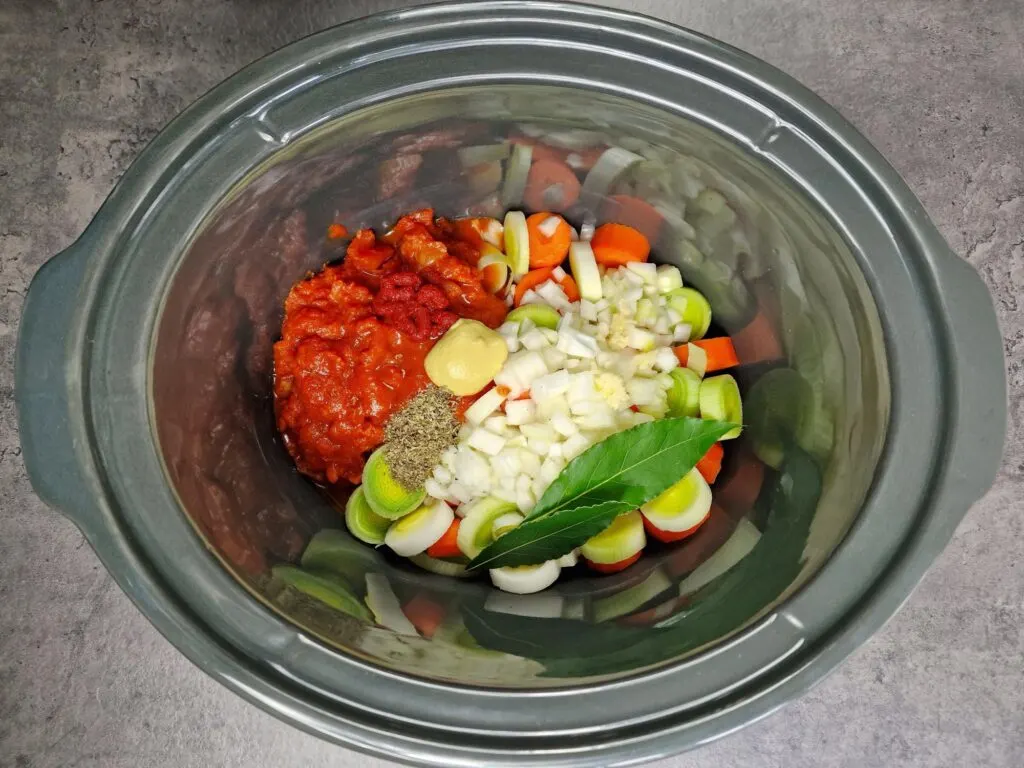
[355,336]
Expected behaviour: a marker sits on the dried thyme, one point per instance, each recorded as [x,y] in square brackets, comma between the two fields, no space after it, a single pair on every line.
[419,434]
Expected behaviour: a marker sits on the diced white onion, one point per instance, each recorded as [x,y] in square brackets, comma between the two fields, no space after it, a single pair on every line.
[486,441]
[520,411]
[549,226]
[484,406]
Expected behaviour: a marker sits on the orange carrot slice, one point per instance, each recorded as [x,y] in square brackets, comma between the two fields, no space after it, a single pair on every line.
[424,614]
[720,351]
[757,341]
[710,463]
[740,490]
[448,544]
[548,250]
[682,354]
[551,185]
[531,279]
[569,287]
[535,277]
[618,244]
[337,232]
[637,213]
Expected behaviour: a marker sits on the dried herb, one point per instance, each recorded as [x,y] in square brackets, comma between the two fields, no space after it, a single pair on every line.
[419,434]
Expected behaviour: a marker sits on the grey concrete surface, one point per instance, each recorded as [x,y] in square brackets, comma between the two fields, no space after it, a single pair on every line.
[938,85]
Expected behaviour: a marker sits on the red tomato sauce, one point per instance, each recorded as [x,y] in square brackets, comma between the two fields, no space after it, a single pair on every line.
[355,336]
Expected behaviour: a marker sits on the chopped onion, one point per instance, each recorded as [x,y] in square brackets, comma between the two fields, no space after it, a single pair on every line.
[520,412]
[485,405]
[647,271]
[549,226]
[486,441]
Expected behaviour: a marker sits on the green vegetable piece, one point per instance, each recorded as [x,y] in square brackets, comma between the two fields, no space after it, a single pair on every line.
[720,400]
[323,587]
[542,315]
[778,409]
[362,522]
[618,474]
[385,495]
[478,518]
[684,394]
[693,308]
[336,552]
[631,598]
[623,538]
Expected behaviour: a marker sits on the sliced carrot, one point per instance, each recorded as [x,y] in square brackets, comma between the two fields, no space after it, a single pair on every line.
[720,351]
[531,279]
[448,544]
[536,277]
[757,341]
[548,251]
[740,490]
[614,567]
[541,151]
[580,160]
[637,213]
[710,463]
[618,244]
[569,287]
[551,185]
[667,537]
[424,614]
[682,354]
[337,232]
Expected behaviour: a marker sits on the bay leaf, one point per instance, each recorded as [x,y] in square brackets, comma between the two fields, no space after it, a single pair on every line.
[618,474]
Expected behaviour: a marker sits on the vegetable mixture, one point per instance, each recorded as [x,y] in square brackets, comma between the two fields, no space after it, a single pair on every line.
[509,395]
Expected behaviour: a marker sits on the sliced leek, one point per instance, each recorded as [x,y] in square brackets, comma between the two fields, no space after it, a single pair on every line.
[682,507]
[517,170]
[526,579]
[619,541]
[517,243]
[475,530]
[450,568]
[362,522]
[693,308]
[385,495]
[720,399]
[416,531]
[684,394]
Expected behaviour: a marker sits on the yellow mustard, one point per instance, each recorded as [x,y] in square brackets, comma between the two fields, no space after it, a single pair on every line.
[466,358]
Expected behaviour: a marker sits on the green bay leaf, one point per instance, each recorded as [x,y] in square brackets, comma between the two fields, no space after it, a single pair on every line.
[545,538]
[619,474]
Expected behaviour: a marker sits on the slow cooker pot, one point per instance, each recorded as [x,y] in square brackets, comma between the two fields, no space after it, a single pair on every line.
[144,381]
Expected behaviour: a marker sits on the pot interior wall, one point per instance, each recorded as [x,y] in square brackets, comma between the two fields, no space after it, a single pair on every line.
[778,275]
